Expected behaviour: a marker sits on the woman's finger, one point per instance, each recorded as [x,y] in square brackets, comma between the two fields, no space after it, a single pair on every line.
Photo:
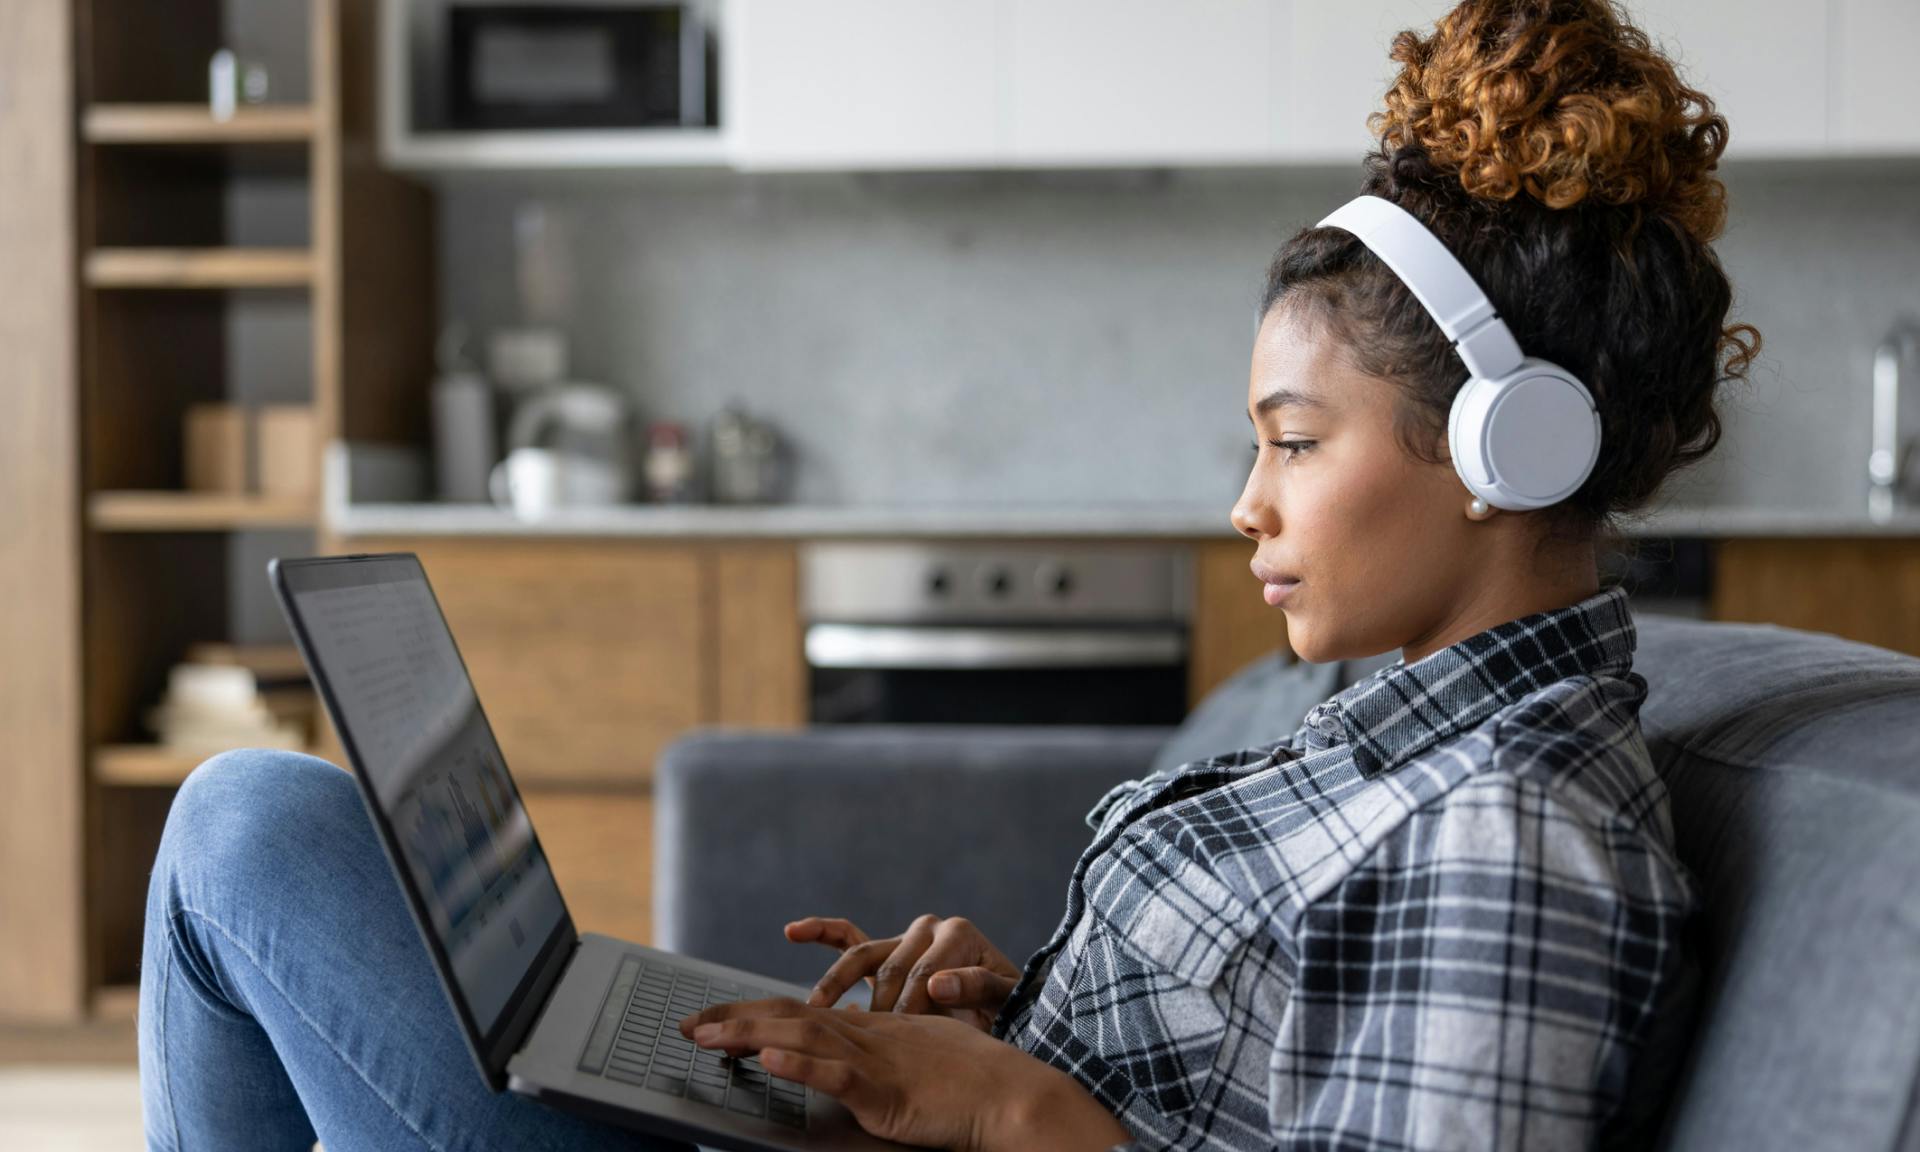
[938,957]
[891,978]
[828,930]
[980,988]
[834,1077]
[854,964]
[956,944]
[735,1009]
[814,1034]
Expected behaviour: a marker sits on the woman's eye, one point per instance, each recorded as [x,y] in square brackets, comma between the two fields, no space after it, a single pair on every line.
[1293,447]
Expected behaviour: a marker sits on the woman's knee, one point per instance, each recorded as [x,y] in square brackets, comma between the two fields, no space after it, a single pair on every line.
[259,805]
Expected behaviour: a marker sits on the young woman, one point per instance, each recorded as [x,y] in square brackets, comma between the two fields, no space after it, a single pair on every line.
[1445,912]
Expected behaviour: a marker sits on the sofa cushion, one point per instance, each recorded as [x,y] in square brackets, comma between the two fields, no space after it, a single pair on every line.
[1793,760]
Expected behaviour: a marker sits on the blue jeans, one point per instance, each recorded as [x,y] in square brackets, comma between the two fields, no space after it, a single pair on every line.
[285,994]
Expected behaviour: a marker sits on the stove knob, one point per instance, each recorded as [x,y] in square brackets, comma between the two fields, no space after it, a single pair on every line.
[939,583]
[996,582]
[1056,579]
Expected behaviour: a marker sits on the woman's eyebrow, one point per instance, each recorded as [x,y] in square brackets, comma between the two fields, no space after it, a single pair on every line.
[1290,398]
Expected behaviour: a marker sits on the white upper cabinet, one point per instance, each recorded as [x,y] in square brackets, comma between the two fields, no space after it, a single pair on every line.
[1333,71]
[1138,81]
[1763,62]
[1876,82]
[860,83]
[1038,83]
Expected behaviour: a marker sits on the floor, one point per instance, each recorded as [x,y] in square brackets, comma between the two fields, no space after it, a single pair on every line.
[70,1108]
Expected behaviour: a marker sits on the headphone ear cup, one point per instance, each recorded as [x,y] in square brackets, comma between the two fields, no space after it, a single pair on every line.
[1525,440]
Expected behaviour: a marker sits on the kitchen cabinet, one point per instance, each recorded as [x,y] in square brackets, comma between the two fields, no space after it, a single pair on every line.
[591,655]
[1865,589]
[1127,80]
[1765,65]
[1333,70]
[1875,84]
[852,84]
[860,83]
[601,848]
[588,657]
[837,85]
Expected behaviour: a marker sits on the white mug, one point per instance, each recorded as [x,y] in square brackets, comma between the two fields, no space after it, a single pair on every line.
[527,481]
[535,481]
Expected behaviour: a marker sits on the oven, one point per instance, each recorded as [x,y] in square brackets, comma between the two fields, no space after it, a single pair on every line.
[984,633]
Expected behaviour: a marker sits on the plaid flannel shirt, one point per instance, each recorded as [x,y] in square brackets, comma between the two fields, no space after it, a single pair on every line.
[1445,913]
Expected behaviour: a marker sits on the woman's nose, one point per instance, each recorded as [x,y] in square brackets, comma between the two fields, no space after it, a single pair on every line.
[1252,517]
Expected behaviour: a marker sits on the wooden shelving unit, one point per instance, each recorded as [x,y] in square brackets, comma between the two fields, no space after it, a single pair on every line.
[182,124]
[199,268]
[167,271]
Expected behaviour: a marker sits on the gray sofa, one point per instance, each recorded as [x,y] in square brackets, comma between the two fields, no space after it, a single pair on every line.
[1793,759]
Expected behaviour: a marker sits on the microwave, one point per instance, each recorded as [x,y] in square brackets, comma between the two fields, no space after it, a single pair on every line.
[470,67]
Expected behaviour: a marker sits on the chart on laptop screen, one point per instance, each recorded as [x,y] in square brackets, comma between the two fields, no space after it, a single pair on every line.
[438,775]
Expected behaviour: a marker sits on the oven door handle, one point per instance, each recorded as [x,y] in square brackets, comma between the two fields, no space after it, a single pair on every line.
[886,646]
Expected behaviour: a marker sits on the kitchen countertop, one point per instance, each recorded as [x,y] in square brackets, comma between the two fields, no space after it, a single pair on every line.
[1055,521]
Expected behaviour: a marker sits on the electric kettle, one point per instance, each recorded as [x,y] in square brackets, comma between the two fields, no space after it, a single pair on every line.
[576,438]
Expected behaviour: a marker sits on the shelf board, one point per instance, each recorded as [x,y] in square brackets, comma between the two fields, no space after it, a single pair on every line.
[147,765]
[142,765]
[195,512]
[199,267]
[194,124]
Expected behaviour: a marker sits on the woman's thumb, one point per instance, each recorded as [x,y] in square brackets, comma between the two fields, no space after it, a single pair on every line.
[970,988]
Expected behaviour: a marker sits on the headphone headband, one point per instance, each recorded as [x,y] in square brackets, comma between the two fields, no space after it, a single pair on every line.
[1443,287]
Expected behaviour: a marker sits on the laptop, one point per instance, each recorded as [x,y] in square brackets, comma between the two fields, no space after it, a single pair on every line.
[582,1021]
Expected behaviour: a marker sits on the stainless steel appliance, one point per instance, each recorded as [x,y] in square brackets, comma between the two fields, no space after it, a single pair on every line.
[996,633]
[477,69]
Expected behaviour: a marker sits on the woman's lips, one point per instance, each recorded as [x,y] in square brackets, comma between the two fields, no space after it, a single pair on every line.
[1278,592]
[1275,585]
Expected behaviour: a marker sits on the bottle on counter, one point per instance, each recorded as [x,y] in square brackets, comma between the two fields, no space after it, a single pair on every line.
[465,440]
[669,464]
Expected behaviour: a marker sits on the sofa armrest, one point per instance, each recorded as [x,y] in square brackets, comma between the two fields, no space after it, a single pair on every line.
[877,824]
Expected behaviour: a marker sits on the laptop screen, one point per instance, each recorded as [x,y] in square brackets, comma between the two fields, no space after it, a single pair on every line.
[408,711]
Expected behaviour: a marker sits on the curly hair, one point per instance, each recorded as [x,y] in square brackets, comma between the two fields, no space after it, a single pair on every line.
[1563,161]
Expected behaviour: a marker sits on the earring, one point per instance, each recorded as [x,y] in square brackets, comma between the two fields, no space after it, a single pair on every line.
[1478,509]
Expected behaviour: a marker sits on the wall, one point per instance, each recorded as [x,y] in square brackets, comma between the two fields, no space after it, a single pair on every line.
[1014,338]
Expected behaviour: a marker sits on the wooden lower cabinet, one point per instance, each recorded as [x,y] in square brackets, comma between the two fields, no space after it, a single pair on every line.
[592,656]
[601,847]
[588,657]
[1865,589]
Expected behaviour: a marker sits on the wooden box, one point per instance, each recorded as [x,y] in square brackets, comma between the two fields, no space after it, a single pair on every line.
[289,458]
[216,448]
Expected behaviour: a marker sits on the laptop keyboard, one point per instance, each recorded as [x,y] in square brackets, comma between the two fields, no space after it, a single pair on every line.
[637,1040]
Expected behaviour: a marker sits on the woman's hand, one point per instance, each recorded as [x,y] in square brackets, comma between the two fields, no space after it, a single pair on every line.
[925,1080]
[936,965]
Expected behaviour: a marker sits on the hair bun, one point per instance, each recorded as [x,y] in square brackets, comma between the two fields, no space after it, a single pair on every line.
[1564,100]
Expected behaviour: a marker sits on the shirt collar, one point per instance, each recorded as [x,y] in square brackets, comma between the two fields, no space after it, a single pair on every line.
[1402,709]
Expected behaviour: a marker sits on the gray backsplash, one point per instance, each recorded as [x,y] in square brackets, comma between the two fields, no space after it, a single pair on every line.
[1022,338]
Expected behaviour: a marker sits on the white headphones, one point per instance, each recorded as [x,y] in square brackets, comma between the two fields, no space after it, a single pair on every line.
[1523,433]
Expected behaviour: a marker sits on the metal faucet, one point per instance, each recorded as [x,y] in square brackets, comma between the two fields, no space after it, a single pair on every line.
[1892,452]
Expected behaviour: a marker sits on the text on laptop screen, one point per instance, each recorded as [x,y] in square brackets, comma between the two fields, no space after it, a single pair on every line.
[414,721]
